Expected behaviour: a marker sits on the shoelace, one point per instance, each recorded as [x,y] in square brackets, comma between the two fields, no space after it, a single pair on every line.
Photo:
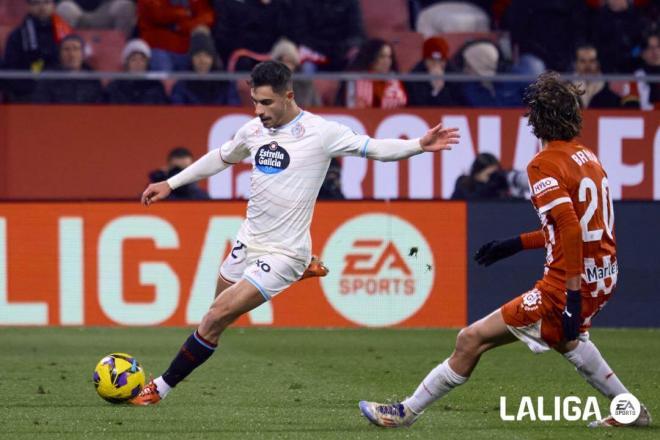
[149,389]
[392,410]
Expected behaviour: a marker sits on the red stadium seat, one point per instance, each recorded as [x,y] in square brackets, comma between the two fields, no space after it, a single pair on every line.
[385,15]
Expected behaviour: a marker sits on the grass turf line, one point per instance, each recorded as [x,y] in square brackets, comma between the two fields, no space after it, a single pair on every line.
[271,383]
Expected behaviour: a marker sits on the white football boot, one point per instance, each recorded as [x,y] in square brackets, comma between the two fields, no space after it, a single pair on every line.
[388,415]
[644,419]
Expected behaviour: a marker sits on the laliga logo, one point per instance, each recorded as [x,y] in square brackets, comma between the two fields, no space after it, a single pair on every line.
[379,283]
[624,408]
[568,408]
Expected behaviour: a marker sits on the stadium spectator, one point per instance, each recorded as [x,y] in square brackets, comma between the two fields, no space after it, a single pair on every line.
[178,159]
[375,56]
[434,61]
[597,94]
[70,91]
[485,181]
[167,26]
[616,33]
[33,46]
[438,17]
[99,14]
[203,59]
[648,93]
[331,187]
[328,31]
[287,52]
[135,59]
[483,58]
[255,25]
[545,33]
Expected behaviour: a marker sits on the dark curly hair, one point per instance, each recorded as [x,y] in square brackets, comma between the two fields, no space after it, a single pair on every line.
[553,108]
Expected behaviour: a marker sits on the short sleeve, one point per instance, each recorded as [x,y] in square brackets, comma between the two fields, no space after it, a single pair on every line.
[235,150]
[546,185]
[339,140]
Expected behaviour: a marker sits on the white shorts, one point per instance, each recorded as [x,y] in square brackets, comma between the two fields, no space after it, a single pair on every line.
[271,273]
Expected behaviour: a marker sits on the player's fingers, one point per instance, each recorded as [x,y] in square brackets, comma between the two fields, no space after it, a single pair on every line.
[437,128]
[155,197]
[483,260]
[145,197]
[483,256]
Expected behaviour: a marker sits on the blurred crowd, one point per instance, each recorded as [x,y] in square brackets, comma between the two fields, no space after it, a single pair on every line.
[478,37]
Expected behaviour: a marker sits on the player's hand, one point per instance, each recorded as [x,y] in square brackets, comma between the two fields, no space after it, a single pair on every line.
[155,192]
[571,317]
[438,139]
[496,250]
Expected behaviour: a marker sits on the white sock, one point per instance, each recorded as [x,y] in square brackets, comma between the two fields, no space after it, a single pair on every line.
[441,380]
[590,364]
[162,386]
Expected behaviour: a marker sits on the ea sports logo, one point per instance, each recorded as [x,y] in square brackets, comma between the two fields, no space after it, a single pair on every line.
[625,408]
[385,270]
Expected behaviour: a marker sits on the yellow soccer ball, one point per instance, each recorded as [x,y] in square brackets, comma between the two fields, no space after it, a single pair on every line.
[118,377]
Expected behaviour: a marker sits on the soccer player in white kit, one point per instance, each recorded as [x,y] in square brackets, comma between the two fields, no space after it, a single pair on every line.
[291,150]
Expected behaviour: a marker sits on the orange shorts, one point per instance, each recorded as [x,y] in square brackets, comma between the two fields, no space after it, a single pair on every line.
[535,316]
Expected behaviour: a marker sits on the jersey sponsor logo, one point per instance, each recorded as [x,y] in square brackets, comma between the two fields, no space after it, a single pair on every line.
[594,274]
[271,158]
[380,282]
[544,185]
[604,277]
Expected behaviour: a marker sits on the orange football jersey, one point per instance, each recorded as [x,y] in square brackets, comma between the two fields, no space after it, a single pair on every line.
[567,172]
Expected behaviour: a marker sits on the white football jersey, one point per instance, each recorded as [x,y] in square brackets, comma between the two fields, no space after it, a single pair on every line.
[289,164]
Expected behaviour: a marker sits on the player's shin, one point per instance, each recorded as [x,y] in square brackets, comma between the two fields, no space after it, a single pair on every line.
[193,353]
[590,364]
[440,381]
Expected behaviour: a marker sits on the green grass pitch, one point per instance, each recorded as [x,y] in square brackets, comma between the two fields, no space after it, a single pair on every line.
[267,383]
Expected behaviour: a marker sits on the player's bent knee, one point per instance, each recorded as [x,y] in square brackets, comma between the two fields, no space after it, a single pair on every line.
[221,316]
[468,340]
[471,339]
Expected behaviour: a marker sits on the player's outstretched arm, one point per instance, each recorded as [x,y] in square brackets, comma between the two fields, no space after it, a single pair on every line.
[208,165]
[436,139]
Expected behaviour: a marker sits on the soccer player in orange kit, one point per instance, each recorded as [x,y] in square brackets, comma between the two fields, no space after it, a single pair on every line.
[571,195]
